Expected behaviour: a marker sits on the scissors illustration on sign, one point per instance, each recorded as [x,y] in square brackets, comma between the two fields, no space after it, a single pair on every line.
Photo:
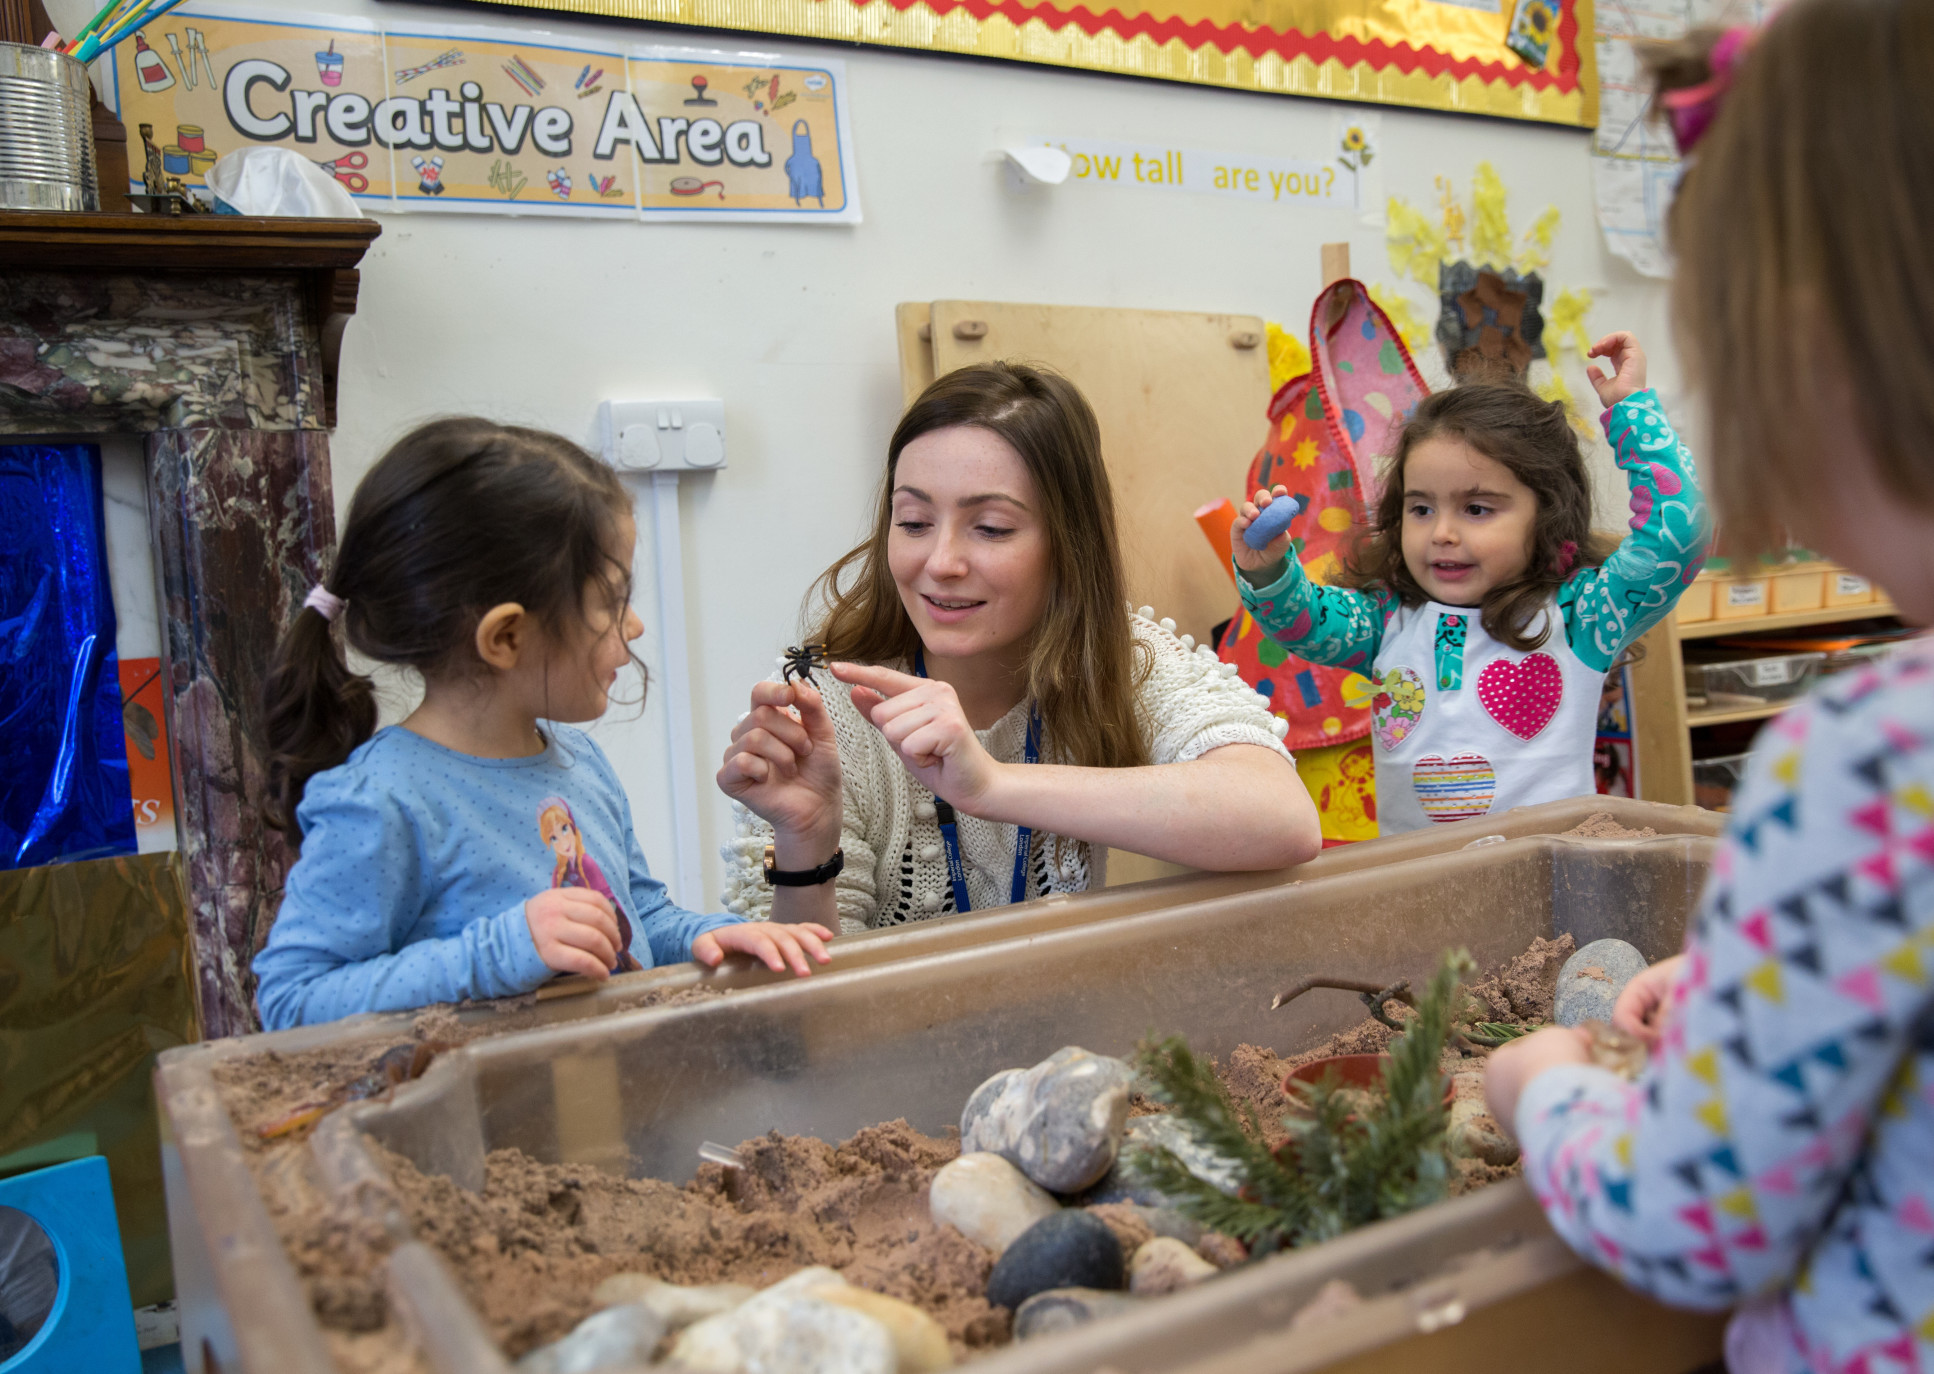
[337,168]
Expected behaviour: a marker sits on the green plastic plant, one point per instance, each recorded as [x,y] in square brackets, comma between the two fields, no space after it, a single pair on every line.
[1352,1158]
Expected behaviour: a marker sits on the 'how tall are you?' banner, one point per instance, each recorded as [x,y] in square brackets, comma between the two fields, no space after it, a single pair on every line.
[493,120]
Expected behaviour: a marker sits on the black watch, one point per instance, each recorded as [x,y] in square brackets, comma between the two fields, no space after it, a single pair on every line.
[805,877]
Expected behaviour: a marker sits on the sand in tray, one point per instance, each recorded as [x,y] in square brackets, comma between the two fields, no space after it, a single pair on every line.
[531,1247]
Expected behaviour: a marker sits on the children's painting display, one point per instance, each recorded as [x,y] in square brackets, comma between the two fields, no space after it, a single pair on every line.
[1521,59]
[490,120]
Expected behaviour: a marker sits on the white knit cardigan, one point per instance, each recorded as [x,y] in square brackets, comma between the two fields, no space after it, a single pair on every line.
[896,870]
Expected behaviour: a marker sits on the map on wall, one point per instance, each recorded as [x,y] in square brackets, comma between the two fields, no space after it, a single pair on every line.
[1635,165]
[1520,59]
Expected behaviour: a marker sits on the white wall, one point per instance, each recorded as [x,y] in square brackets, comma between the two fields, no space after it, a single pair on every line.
[535,320]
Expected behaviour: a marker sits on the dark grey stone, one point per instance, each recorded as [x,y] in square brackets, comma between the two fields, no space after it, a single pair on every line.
[1591,980]
[1070,1249]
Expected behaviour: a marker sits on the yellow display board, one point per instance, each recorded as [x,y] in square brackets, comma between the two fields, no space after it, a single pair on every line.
[498,120]
[1522,59]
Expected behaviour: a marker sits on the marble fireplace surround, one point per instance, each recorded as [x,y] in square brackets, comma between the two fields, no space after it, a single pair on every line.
[216,339]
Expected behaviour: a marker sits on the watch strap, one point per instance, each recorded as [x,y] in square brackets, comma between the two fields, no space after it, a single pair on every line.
[804,877]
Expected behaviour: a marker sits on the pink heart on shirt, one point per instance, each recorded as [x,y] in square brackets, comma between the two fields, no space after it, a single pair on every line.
[1522,696]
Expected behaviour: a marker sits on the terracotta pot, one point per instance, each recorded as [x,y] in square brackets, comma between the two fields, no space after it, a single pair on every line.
[1352,1071]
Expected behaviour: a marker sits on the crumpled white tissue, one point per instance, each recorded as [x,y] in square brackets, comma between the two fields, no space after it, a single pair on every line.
[276,181]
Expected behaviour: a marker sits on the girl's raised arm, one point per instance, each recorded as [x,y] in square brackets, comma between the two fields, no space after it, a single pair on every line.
[1607,607]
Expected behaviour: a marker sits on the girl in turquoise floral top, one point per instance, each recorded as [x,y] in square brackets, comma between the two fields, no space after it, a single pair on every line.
[1479,610]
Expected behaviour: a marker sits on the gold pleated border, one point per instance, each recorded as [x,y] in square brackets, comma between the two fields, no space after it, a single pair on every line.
[1035,41]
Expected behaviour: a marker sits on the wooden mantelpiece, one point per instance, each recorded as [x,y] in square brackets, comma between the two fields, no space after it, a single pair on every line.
[191,243]
[216,338]
[323,252]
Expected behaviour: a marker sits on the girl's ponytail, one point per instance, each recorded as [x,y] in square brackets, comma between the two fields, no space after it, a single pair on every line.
[315,712]
[459,516]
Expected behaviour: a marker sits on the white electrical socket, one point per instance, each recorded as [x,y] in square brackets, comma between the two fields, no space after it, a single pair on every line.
[663,436]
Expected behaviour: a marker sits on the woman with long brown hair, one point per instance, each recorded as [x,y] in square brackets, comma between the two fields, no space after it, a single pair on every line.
[993,717]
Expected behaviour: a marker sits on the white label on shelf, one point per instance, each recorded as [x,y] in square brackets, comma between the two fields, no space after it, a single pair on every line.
[1850,584]
[1771,672]
[1745,593]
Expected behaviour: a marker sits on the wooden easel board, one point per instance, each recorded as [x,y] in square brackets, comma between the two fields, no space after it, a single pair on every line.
[1182,400]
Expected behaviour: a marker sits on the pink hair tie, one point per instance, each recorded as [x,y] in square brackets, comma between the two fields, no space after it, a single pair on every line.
[324,602]
[1567,556]
[1692,109]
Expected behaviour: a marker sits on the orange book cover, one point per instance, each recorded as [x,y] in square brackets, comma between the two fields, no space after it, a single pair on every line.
[144,718]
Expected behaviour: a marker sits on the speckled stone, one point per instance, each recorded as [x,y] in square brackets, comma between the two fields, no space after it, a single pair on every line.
[1120,1184]
[1071,1249]
[1063,1309]
[1591,980]
[1060,1122]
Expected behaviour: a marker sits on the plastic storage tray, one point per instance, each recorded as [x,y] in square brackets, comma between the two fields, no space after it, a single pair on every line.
[1740,681]
[911,1036]
[1714,780]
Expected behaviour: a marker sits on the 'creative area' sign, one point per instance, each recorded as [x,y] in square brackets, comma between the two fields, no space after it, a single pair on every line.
[493,120]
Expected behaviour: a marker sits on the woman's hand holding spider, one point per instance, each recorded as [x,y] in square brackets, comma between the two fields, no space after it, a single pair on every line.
[922,719]
[783,764]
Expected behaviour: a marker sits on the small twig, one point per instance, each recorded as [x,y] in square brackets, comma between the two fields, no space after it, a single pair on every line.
[1398,991]
[1374,994]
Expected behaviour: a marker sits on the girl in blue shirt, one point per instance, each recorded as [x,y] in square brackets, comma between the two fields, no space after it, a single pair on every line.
[483,844]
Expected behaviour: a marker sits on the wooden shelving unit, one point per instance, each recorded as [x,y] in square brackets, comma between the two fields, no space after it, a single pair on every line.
[1663,727]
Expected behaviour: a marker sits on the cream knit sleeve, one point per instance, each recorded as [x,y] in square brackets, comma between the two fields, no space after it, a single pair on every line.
[746,893]
[1193,702]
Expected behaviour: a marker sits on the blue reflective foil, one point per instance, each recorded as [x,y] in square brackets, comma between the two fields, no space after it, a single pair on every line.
[64,786]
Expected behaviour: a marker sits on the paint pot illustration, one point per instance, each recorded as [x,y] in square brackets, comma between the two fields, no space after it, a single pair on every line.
[150,69]
[189,154]
[699,84]
[560,183]
[803,177]
[329,65]
[692,186]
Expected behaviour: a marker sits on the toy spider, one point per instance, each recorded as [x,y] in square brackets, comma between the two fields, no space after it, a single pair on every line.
[800,661]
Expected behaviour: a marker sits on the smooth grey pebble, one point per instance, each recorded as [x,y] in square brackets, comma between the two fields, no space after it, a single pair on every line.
[1584,997]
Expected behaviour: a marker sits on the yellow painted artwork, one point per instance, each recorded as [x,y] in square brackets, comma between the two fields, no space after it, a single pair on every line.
[1459,56]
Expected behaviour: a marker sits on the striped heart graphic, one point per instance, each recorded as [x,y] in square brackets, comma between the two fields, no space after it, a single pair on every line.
[1454,789]
[1522,696]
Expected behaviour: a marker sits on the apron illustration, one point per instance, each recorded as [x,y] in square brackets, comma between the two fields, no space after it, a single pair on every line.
[802,168]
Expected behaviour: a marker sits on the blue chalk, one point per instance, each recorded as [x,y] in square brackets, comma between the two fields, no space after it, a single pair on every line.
[1273,521]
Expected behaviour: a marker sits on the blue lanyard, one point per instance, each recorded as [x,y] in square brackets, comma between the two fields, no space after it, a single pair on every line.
[950,828]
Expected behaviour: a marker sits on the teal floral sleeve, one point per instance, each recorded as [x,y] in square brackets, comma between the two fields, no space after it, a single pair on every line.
[1607,607]
[1335,626]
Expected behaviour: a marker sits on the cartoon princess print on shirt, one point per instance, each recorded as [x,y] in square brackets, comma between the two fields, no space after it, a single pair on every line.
[575,868]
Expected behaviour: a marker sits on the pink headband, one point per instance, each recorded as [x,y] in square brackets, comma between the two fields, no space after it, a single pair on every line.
[1692,109]
[324,602]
